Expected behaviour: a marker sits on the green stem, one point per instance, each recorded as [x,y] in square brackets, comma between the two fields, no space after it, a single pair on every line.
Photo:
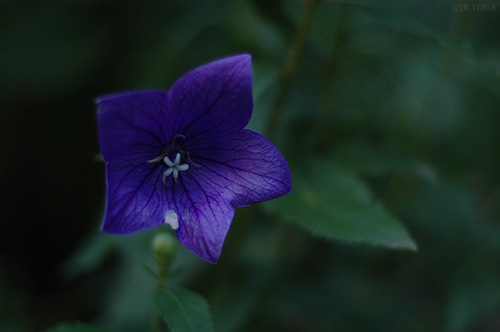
[157,322]
[160,282]
[329,91]
[163,247]
[291,66]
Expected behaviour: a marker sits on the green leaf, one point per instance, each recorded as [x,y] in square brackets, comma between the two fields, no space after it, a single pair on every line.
[183,310]
[90,254]
[78,327]
[473,296]
[332,202]
[471,67]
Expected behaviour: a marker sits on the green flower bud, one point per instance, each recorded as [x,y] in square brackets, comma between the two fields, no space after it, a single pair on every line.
[164,247]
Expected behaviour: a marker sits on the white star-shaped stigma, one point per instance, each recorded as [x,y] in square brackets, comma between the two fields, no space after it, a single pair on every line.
[174,167]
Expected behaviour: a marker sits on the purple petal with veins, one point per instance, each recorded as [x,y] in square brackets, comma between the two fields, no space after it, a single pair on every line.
[184,158]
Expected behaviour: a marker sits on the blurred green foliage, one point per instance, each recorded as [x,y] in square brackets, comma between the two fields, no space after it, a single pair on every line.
[78,327]
[390,125]
[183,310]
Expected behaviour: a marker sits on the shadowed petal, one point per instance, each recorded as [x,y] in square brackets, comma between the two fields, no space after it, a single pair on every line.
[132,123]
[137,198]
[214,100]
[204,217]
[247,169]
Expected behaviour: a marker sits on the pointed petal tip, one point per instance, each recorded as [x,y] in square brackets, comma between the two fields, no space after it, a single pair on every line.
[242,60]
[111,230]
[114,228]
[244,57]
[211,260]
[207,256]
[241,57]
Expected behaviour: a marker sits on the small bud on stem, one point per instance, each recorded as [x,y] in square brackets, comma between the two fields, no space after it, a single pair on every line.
[163,247]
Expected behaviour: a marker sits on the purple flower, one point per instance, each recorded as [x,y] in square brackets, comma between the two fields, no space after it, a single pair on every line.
[184,158]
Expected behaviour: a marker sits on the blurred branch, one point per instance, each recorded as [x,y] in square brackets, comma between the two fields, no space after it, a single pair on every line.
[459,28]
[291,66]
[329,91]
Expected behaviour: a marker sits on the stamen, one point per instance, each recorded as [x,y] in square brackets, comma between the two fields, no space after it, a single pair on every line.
[172,147]
[178,135]
[190,160]
[157,159]
[163,180]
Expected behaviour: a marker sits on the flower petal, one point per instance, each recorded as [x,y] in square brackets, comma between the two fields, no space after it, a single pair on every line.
[132,123]
[136,198]
[214,100]
[204,217]
[247,169]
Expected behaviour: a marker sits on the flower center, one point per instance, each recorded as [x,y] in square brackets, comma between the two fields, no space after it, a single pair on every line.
[175,152]
[174,167]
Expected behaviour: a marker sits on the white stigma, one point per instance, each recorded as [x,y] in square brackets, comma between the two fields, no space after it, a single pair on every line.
[172,219]
[174,167]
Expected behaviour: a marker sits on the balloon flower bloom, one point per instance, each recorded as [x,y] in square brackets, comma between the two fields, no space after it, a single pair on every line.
[183,157]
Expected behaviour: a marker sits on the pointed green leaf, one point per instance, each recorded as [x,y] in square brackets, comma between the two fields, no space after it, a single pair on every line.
[183,310]
[332,202]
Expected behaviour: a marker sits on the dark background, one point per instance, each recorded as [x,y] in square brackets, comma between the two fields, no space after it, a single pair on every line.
[418,77]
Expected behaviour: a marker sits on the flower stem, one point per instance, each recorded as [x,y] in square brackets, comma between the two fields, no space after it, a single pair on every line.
[163,248]
[160,282]
[291,65]
[157,322]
